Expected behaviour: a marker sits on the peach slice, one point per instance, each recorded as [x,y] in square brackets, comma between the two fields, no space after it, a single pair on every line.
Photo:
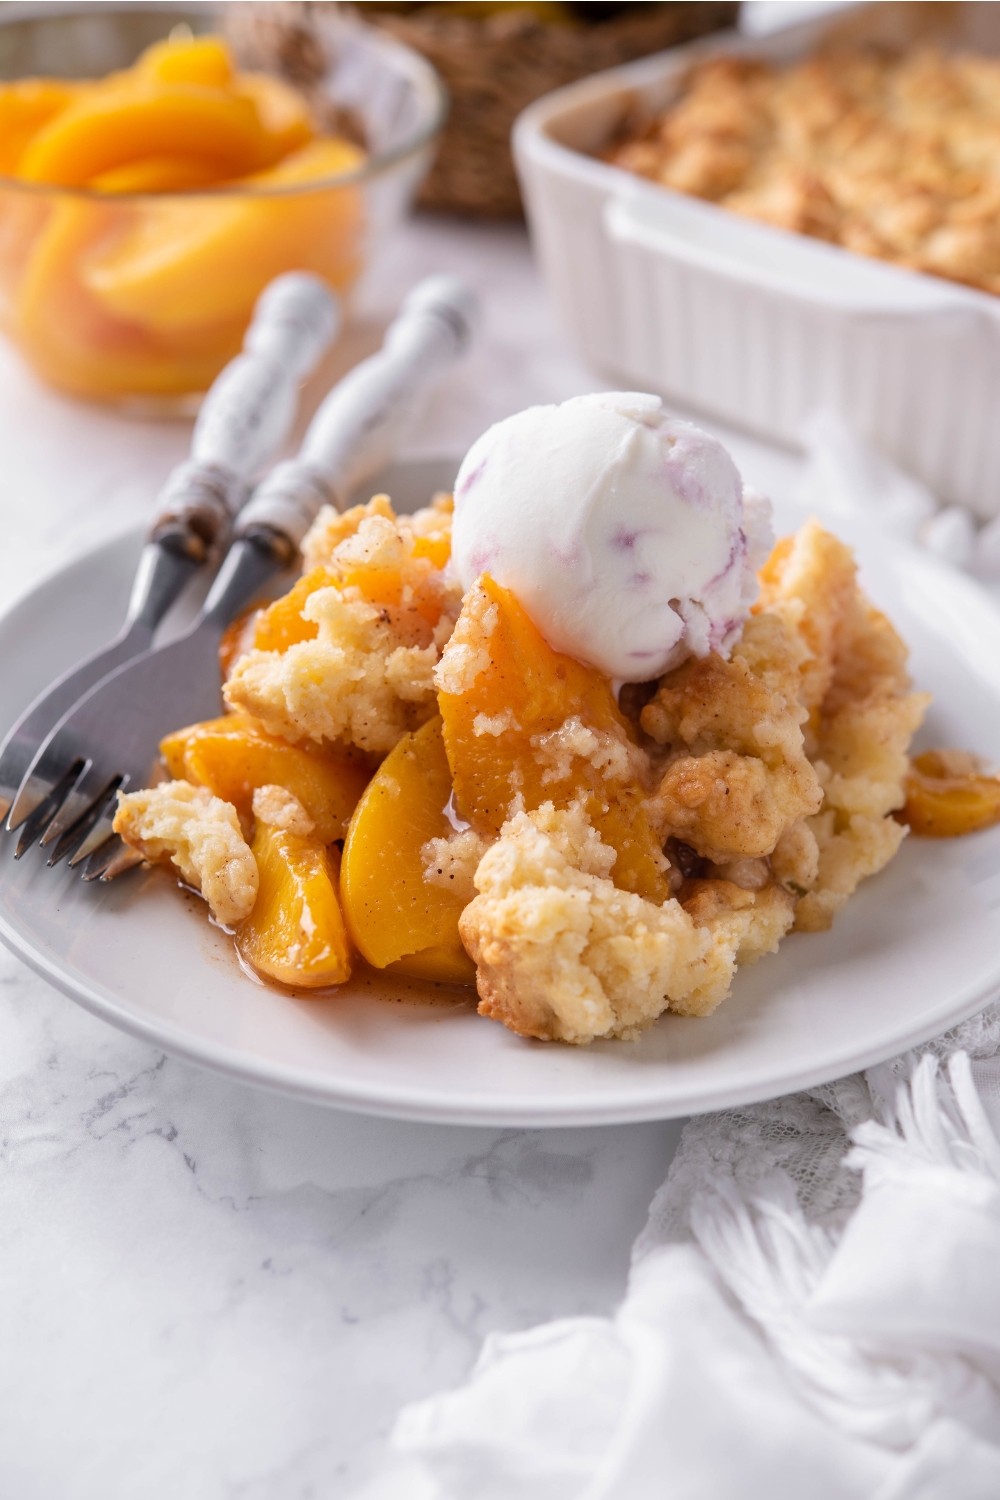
[502,732]
[415,609]
[196,59]
[157,174]
[947,795]
[71,340]
[282,111]
[281,625]
[25,107]
[235,755]
[186,263]
[117,122]
[295,933]
[394,917]
[445,963]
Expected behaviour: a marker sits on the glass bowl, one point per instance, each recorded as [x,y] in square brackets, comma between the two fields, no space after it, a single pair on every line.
[140,299]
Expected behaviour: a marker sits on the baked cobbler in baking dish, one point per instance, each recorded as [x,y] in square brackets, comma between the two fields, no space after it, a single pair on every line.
[586,738]
[891,154]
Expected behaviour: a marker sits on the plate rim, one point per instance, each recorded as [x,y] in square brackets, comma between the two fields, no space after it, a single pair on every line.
[418,1105]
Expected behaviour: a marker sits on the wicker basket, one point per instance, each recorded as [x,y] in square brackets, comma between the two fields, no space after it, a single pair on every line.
[493,65]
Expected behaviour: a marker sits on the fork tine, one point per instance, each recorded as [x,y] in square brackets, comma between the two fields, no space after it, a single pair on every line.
[101,858]
[37,788]
[92,786]
[103,829]
[113,859]
[46,810]
[96,838]
[80,840]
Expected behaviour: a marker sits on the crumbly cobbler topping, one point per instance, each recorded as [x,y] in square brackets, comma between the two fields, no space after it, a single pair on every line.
[862,716]
[332,528]
[200,836]
[278,808]
[610,753]
[774,778]
[891,155]
[467,655]
[382,609]
[608,859]
[796,749]
[452,862]
[563,954]
[738,772]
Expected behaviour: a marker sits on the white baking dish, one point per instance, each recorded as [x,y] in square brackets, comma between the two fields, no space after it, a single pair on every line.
[752,324]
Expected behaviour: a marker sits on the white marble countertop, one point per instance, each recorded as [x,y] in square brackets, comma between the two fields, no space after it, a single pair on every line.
[208,1291]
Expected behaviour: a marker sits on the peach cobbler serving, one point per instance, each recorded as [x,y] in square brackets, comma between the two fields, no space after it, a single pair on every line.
[891,154]
[585,739]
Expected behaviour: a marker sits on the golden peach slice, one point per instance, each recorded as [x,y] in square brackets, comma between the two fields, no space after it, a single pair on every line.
[295,933]
[947,795]
[234,755]
[393,915]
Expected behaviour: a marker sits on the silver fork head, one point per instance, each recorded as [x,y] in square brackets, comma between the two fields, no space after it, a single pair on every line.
[90,831]
[35,824]
[111,737]
[81,806]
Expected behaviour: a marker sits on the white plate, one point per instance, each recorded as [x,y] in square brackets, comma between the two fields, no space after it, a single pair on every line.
[916,951]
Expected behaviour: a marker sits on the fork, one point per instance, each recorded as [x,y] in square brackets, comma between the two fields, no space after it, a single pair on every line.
[245,418]
[109,739]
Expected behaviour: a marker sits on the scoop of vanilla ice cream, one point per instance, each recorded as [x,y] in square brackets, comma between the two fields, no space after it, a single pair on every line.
[628,536]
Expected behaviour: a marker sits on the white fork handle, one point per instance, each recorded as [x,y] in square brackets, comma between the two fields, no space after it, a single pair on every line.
[363,419]
[249,410]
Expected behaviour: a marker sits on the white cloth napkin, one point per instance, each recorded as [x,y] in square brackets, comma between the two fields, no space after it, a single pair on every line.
[804,1317]
[846,478]
[813,1311]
